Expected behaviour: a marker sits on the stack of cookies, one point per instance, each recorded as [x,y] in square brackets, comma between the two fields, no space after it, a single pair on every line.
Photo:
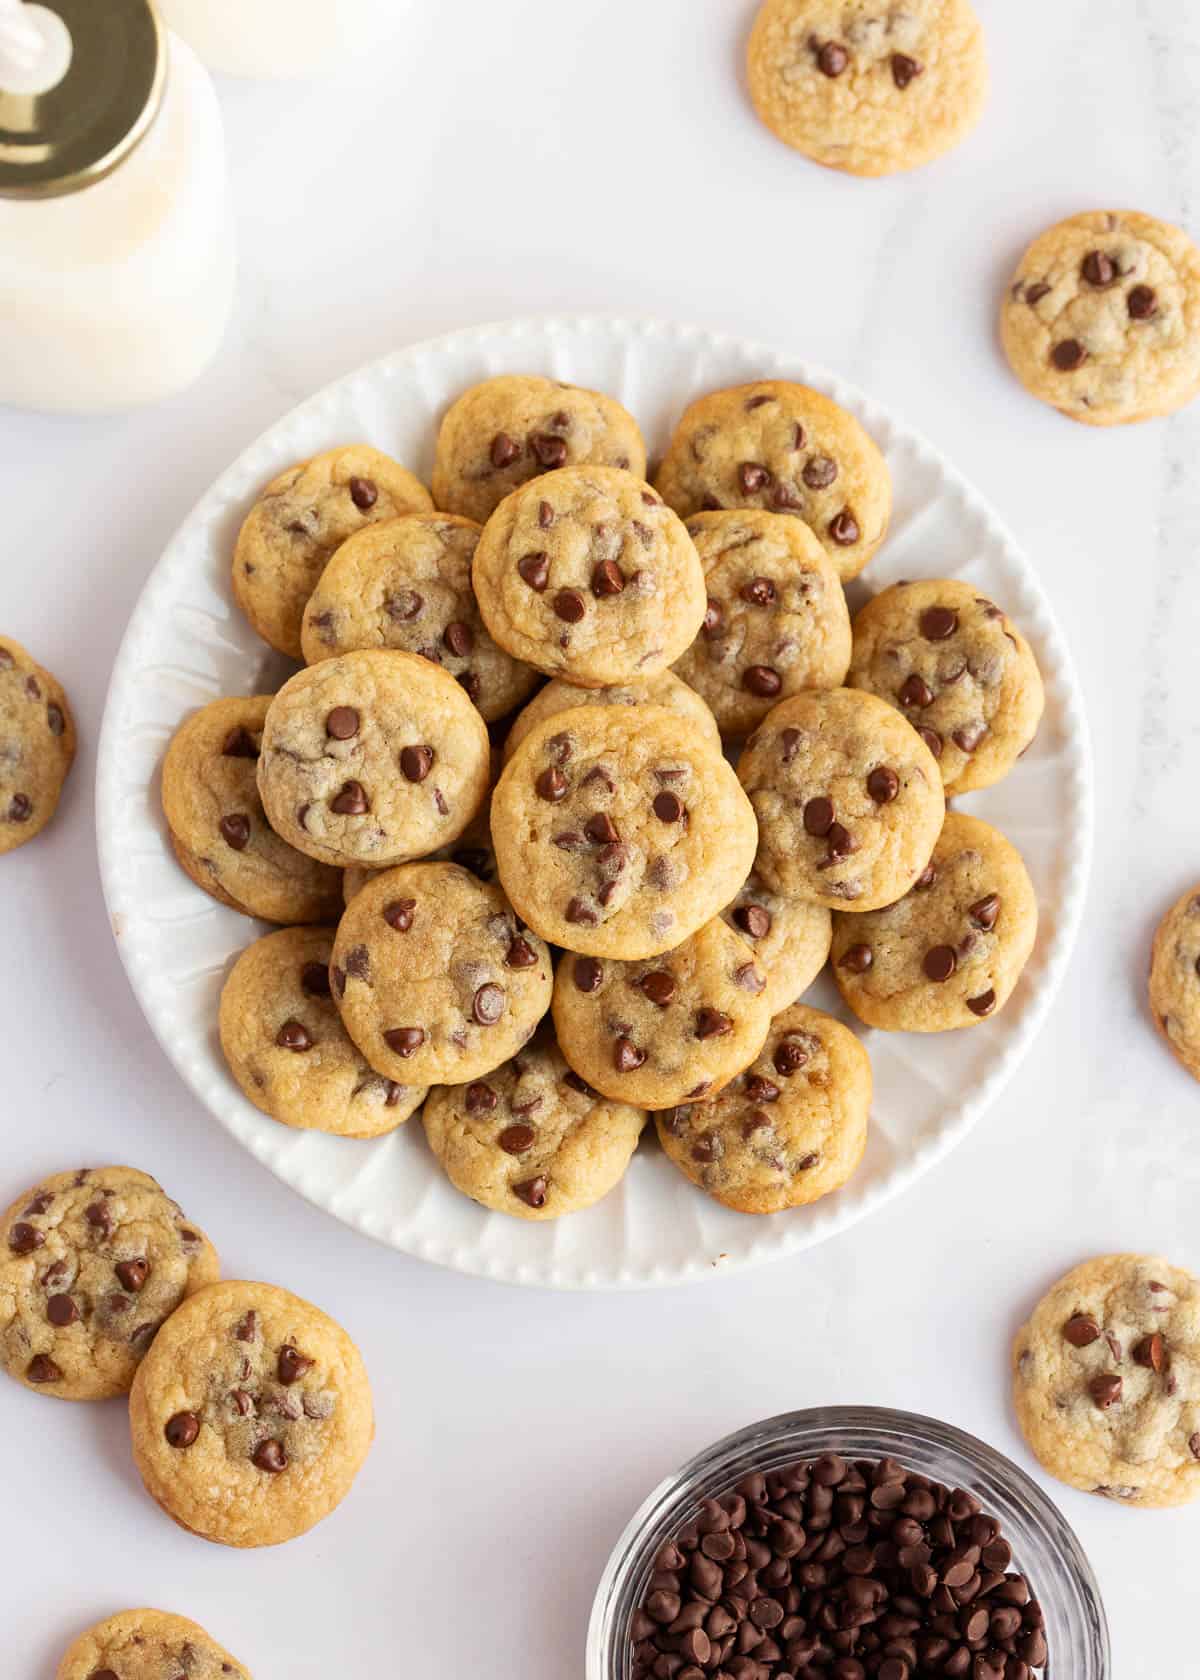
[537,910]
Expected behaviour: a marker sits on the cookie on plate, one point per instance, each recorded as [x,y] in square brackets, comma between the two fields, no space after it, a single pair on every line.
[789,935]
[586,574]
[848,798]
[666,689]
[948,953]
[532,1139]
[147,1645]
[251,1415]
[868,88]
[373,757]
[436,980]
[218,828]
[1175,979]
[37,745]
[91,1263]
[788,449]
[297,522]
[1102,318]
[788,1130]
[960,672]
[406,583]
[667,1029]
[503,432]
[1106,1380]
[618,833]
[287,1048]
[776,621]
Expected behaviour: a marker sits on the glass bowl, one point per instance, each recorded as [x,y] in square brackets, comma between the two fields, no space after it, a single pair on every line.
[1045,1549]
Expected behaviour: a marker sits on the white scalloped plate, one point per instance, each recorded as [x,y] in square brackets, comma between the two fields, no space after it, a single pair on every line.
[187,643]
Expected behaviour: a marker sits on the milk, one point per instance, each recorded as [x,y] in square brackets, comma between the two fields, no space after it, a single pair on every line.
[272,37]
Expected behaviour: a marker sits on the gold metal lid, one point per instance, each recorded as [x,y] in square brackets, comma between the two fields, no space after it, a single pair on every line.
[76,132]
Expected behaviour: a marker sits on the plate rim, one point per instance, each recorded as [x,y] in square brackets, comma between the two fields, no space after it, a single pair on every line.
[779,363]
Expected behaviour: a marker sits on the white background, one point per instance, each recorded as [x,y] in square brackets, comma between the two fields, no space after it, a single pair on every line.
[482,160]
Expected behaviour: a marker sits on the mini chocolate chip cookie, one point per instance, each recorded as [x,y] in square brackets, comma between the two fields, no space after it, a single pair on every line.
[532,1139]
[406,583]
[436,980]
[666,689]
[37,745]
[587,575]
[501,433]
[373,757]
[298,521]
[776,621]
[949,953]
[668,1029]
[1102,319]
[91,1263]
[287,1048]
[1175,979]
[618,833]
[251,1415]
[868,86]
[790,936]
[219,830]
[962,674]
[1106,1380]
[148,1645]
[788,1130]
[848,798]
[788,449]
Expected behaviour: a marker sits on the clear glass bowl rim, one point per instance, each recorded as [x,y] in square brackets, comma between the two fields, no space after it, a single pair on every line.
[1044,1545]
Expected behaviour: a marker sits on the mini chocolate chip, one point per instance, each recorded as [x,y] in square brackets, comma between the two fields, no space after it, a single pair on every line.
[904,69]
[762,681]
[915,691]
[23,1238]
[405,604]
[577,1084]
[749,977]
[235,830]
[1150,1352]
[580,913]
[291,1364]
[984,911]
[931,739]
[520,954]
[785,498]
[607,579]
[968,736]
[488,1004]
[832,58]
[1081,1331]
[550,451]
[668,807]
[1142,303]
[99,1218]
[270,1456]
[20,808]
[503,451]
[712,1023]
[753,920]
[601,829]
[752,477]
[416,763]
[534,569]
[983,1004]
[404,1041]
[314,979]
[352,801]
[293,1036]
[551,785]
[363,493]
[480,1099]
[658,986]
[54,719]
[532,1192]
[1194,1444]
[938,623]
[627,1056]
[759,592]
[239,743]
[570,606]
[515,1140]
[61,1311]
[545,516]
[1068,354]
[42,1369]
[132,1275]
[819,472]
[856,959]
[1105,1390]
[398,913]
[181,1430]
[1035,293]
[818,816]
[883,784]
[342,723]
[587,974]
[714,617]
[843,528]
[939,962]
[1098,269]
[459,638]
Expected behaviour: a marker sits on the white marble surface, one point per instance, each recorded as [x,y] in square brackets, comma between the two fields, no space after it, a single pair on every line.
[482,161]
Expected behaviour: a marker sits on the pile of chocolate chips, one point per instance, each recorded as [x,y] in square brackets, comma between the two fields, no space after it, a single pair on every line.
[837,1569]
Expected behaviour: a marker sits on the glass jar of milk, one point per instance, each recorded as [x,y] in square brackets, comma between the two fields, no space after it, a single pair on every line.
[116,249]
